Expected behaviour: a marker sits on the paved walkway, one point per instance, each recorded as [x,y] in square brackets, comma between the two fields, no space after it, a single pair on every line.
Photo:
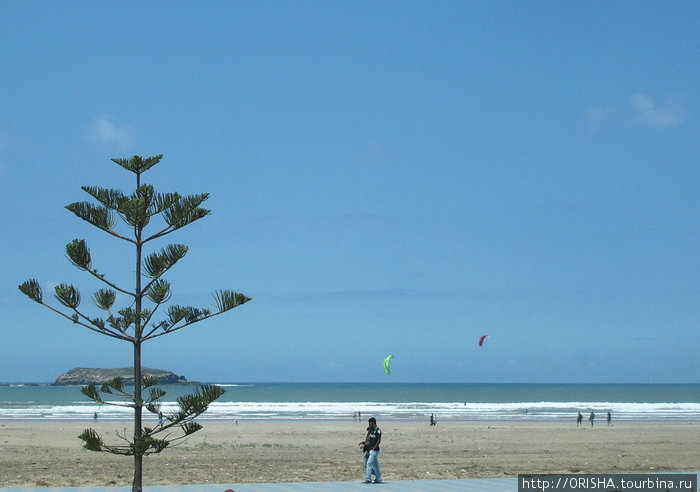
[467,485]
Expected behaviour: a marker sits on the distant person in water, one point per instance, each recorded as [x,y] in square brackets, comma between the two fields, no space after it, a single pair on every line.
[94,416]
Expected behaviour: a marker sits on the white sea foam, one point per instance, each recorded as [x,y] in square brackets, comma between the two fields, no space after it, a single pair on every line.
[455,411]
[340,401]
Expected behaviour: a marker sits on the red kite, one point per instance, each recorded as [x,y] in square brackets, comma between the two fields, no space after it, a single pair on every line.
[481,340]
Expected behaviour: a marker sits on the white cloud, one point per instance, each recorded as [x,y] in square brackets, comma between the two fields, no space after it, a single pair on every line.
[103,131]
[640,110]
[646,112]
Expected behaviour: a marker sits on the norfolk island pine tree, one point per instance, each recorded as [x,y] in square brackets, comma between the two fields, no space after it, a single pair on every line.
[137,323]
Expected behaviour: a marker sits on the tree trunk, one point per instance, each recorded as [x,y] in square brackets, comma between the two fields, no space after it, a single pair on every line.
[138,473]
[138,401]
[138,407]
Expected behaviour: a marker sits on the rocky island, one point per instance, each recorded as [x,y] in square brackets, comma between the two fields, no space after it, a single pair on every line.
[87,375]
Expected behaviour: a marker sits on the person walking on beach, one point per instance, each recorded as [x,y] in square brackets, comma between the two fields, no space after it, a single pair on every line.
[608,418]
[591,418]
[579,419]
[371,447]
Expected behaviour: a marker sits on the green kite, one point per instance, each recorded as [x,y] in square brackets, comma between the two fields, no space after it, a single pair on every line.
[386,364]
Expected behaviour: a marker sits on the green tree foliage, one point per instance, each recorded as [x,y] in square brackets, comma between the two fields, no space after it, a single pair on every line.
[147,314]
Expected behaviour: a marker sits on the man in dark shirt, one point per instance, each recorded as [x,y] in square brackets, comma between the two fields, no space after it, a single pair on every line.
[371,444]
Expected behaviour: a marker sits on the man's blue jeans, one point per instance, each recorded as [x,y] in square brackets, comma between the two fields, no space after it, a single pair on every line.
[373,467]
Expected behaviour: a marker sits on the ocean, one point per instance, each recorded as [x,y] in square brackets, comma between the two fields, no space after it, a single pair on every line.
[386,401]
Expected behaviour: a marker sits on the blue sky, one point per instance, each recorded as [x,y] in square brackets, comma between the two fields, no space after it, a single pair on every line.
[385,177]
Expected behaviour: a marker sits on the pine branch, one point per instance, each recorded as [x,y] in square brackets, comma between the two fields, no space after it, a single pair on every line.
[67,295]
[148,380]
[91,392]
[159,291]
[138,164]
[101,277]
[115,384]
[197,402]
[156,264]
[153,329]
[182,212]
[99,326]
[225,300]
[174,442]
[109,198]
[163,201]
[32,289]
[104,299]
[155,394]
[190,407]
[160,295]
[177,314]
[154,203]
[136,209]
[79,255]
[100,217]
[134,212]
[189,428]
[126,317]
[93,442]
[149,445]
[146,315]
[228,299]
[185,210]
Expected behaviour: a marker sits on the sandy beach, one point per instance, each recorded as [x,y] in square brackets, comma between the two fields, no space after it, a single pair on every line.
[50,455]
